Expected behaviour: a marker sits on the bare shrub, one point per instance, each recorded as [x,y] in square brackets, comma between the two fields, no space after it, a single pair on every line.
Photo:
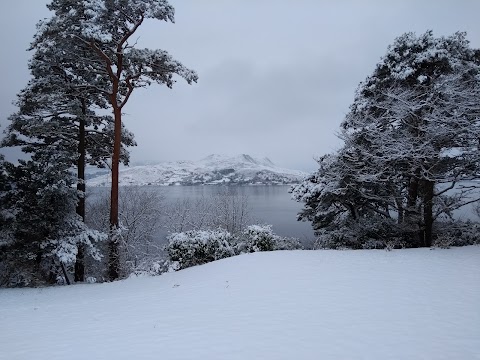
[188,214]
[228,209]
[231,210]
[140,221]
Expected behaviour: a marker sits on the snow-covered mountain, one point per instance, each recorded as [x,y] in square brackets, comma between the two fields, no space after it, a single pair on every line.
[213,170]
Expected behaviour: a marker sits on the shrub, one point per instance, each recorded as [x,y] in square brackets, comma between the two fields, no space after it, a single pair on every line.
[288,243]
[257,238]
[365,233]
[151,267]
[139,217]
[262,238]
[197,247]
[456,233]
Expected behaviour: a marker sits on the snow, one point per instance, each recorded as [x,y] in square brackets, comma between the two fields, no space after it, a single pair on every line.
[217,161]
[372,304]
[214,169]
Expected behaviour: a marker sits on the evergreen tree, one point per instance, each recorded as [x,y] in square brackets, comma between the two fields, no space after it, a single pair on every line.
[104,31]
[411,136]
[44,232]
[5,188]
[55,111]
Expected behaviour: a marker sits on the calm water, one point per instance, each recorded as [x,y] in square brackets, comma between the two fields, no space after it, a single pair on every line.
[267,204]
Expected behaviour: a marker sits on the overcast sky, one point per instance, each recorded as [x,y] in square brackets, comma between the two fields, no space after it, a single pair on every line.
[276,77]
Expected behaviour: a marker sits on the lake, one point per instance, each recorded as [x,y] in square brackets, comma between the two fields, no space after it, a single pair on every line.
[267,204]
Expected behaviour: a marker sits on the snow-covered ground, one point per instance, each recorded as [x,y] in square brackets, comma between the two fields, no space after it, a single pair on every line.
[402,304]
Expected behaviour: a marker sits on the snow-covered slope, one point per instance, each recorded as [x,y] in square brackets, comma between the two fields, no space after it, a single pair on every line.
[214,169]
[363,304]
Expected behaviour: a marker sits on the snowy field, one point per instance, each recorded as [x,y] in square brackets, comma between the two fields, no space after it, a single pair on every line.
[402,304]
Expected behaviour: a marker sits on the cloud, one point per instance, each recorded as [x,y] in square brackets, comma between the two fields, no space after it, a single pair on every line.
[276,77]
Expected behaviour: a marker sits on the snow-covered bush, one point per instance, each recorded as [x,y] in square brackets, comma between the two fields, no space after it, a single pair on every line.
[258,238]
[151,267]
[457,234]
[197,247]
[288,243]
[366,233]
[262,238]
[383,234]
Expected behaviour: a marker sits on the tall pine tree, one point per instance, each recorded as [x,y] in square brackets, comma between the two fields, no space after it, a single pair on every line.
[410,137]
[105,30]
[55,111]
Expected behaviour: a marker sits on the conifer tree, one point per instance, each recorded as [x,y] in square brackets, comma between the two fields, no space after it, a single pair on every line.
[410,137]
[104,30]
[55,111]
[43,232]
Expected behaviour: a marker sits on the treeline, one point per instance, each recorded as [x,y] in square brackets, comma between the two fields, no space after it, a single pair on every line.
[411,152]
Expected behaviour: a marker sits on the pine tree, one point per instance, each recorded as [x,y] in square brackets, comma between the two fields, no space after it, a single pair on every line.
[55,111]
[104,31]
[44,232]
[411,136]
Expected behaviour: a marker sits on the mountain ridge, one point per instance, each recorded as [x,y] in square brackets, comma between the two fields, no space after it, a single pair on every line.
[214,169]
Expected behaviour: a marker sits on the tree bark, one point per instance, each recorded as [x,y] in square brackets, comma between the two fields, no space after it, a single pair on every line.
[411,209]
[413,186]
[79,273]
[400,210]
[65,275]
[428,212]
[114,260]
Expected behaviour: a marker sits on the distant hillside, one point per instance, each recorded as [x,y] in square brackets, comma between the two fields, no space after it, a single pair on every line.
[212,170]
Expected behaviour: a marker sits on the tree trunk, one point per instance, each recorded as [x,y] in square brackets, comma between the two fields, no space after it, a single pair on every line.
[411,211]
[65,275]
[353,211]
[79,274]
[413,186]
[114,260]
[400,210]
[428,213]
